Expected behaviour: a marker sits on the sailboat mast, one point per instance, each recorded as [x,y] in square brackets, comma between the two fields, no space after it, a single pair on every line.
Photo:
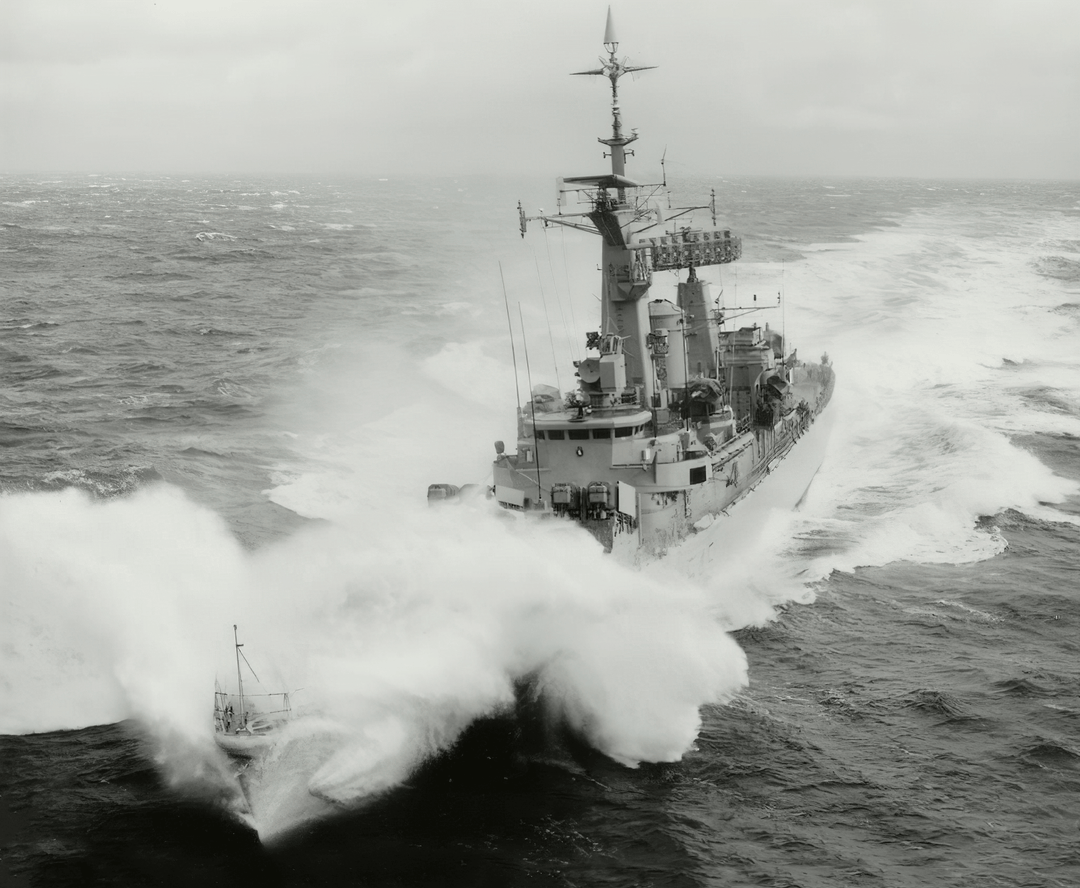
[239,677]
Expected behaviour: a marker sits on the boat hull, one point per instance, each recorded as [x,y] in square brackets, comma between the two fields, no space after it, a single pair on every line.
[740,508]
[245,746]
[737,530]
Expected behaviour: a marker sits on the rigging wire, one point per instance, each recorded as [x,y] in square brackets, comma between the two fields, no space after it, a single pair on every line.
[570,335]
[569,290]
[513,351]
[532,407]
[547,319]
[783,315]
[242,654]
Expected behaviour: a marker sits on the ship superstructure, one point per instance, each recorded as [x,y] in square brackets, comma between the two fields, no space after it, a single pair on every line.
[678,414]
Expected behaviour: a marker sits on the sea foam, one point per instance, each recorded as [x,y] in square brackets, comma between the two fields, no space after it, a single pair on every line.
[402,626]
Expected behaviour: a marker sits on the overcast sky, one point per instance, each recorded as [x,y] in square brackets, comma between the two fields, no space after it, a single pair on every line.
[389,87]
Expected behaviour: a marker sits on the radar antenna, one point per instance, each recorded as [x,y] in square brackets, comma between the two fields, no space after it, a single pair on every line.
[663,175]
[613,69]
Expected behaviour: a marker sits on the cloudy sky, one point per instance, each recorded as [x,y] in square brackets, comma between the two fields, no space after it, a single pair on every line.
[987,88]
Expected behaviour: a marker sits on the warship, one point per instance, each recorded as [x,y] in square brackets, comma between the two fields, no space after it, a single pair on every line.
[680,418]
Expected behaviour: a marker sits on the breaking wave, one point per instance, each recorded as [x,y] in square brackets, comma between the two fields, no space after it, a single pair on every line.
[402,627]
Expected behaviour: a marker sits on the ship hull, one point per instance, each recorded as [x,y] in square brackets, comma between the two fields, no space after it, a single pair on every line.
[733,513]
[245,746]
[784,484]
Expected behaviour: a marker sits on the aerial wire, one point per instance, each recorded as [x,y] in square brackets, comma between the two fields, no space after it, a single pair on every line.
[569,335]
[569,289]
[547,319]
[532,407]
[513,351]
[783,317]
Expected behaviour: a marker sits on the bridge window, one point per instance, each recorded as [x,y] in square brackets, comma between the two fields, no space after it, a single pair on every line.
[601,433]
[555,435]
[624,432]
[578,434]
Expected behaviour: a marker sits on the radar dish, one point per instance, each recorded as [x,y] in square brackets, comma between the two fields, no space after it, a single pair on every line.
[589,370]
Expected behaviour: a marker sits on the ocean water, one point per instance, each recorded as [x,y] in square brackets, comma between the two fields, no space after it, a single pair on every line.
[223,400]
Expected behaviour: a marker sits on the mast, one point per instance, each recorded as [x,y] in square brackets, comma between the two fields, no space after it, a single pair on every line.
[636,242]
[613,69]
[239,678]
[618,142]
[625,279]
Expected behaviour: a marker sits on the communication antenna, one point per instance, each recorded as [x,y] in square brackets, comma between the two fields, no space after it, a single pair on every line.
[513,351]
[686,369]
[663,176]
[532,407]
[613,69]
[783,316]
[547,319]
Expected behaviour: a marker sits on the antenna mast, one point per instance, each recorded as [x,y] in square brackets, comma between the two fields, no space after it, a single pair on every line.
[532,410]
[510,327]
[613,69]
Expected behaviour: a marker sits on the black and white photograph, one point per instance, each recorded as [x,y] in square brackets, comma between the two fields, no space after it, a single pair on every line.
[566,443]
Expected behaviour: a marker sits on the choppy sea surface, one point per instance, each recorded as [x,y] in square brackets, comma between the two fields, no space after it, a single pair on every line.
[222,400]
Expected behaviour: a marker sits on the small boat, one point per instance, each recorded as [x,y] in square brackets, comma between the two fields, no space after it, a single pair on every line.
[247,724]
[686,412]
